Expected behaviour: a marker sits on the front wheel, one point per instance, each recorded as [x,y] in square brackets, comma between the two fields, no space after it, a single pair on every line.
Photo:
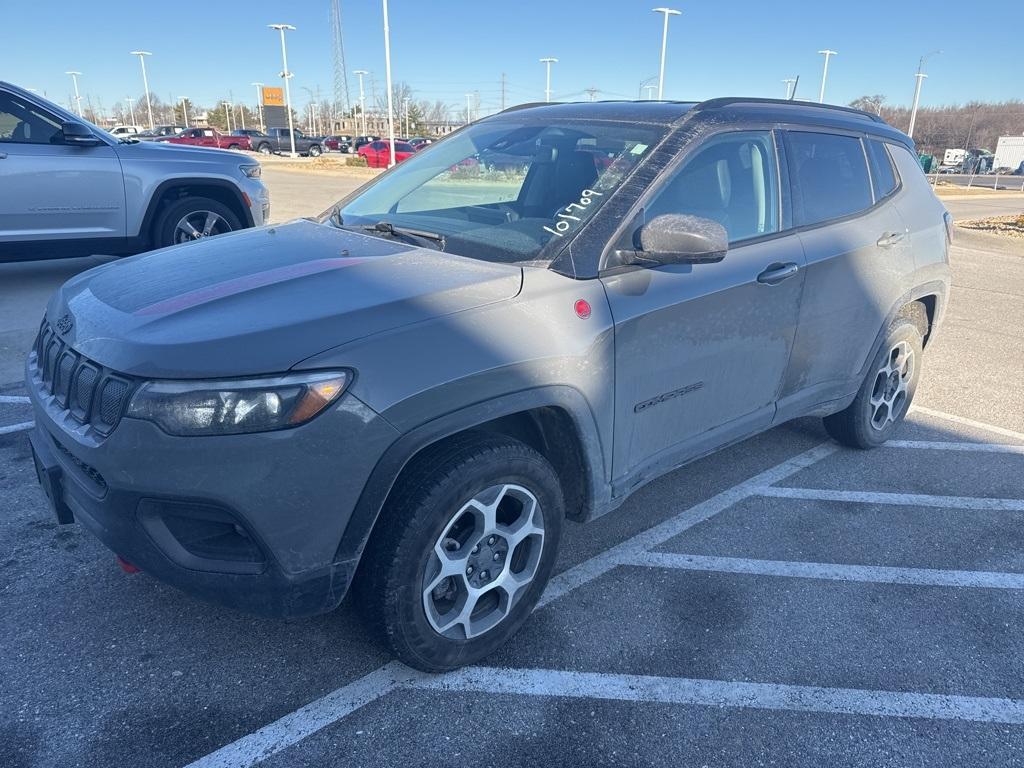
[264,149]
[462,551]
[886,393]
[193,218]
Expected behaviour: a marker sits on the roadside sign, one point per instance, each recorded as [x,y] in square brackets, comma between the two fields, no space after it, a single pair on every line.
[273,97]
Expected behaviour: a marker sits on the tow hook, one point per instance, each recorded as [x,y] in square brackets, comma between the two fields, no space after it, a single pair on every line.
[126,566]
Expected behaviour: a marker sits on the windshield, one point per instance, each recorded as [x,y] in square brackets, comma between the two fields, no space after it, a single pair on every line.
[504,190]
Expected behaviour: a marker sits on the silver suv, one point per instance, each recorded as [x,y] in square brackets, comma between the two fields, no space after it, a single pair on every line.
[68,188]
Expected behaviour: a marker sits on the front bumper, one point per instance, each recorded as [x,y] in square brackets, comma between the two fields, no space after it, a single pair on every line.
[249,521]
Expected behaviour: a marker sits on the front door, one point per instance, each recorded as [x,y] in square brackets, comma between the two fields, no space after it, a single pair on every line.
[701,350]
[53,191]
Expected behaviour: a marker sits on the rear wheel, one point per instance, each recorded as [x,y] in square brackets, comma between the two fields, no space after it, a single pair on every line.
[193,218]
[264,149]
[887,391]
[314,151]
[462,552]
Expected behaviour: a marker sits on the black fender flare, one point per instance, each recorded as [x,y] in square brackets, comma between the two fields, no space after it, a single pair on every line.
[397,456]
[184,181]
[932,288]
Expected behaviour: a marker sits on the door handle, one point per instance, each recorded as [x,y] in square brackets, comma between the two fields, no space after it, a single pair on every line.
[776,273]
[889,239]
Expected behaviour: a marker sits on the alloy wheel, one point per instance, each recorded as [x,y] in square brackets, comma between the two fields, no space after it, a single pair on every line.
[199,224]
[889,392]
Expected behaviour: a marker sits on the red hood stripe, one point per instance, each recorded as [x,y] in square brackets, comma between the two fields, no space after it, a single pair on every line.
[242,284]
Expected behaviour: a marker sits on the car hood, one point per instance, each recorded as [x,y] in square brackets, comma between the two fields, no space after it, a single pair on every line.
[155,149]
[262,300]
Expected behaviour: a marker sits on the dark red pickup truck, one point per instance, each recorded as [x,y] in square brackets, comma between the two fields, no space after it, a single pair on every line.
[210,137]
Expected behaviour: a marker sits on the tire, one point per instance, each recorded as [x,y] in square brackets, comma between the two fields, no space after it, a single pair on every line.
[429,513]
[314,151]
[235,147]
[166,232]
[888,389]
[264,149]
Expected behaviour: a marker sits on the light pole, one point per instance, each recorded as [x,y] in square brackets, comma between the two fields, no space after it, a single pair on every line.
[145,83]
[547,82]
[469,108]
[131,108]
[664,44]
[228,106]
[286,75]
[387,76]
[405,111]
[824,73]
[919,77]
[78,98]
[184,109]
[790,82]
[259,103]
[362,98]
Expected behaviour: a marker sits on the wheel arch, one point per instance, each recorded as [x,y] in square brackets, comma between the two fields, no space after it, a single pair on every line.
[556,421]
[172,190]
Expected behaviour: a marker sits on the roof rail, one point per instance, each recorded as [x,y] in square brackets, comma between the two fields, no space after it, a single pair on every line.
[730,100]
[529,105]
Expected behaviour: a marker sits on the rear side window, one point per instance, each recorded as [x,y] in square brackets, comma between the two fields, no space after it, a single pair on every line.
[830,176]
[882,173]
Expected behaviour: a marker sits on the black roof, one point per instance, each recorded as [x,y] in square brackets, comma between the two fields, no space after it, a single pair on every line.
[673,112]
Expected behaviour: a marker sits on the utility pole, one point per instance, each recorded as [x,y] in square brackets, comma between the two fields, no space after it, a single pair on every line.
[919,77]
[78,98]
[824,73]
[184,110]
[259,104]
[592,92]
[405,113]
[286,76]
[650,91]
[469,108]
[387,76]
[362,97]
[664,44]
[547,87]
[502,91]
[228,106]
[790,82]
[145,83]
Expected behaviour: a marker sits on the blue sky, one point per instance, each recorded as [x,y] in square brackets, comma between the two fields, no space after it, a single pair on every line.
[446,48]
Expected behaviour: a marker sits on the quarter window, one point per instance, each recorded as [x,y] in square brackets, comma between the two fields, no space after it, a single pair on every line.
[830,176]
[732,179]
[882,173]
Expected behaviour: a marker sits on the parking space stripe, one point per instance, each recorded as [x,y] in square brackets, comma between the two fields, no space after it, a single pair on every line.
[968,422]
[295,727]
[14,399]
[17,427]
[721,693]
[905,499]
[831,571]
[936,445]
[590,569]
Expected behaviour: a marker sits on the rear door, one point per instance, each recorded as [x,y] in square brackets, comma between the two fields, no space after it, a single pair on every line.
[701,350]
[49,190]
[857,254]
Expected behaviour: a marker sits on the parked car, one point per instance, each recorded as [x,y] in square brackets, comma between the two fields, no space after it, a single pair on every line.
[124,130]
[1020,169]
[159,132]
[411,393]
[950,169]
[378,153]
[278,140]
[360,141]
[419,142]
[338,143]
[209,137]
[68,188]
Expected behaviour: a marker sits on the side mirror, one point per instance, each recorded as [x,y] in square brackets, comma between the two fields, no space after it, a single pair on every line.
[675,238]
[79,135]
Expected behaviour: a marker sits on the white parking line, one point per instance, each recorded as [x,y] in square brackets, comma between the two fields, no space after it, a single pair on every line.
[13,399]
[906,499]
[831,571]
[303,722]
[17,427]
[936,445]
[968,422]
[721,693]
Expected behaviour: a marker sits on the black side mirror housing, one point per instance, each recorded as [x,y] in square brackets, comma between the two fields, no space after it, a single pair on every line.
[79,135]
[676,238]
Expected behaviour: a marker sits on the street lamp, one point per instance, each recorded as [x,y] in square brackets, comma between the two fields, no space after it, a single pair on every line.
[362,97]
[286,75]
[547,83]
[259,103]
[78,99]
[790,82]
[824,73]
[664,43]
[919,77]
[387,76]
[131,108]
[184,109]
[145,83]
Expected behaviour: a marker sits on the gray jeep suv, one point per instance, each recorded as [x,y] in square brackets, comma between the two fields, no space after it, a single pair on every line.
[526,321]
[68,188]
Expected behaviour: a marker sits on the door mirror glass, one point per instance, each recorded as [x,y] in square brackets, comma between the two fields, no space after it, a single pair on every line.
[79,135]
[679,238]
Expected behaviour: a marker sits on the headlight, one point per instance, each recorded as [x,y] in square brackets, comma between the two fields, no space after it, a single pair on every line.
[231,407]
[252,171]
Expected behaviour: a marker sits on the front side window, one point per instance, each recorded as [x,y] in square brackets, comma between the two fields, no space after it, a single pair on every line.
[23,123]
[830,176]
[733,180]
[882,173]
[504,190]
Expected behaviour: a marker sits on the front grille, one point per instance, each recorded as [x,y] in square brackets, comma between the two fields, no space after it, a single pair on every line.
[90,393]
[87,469]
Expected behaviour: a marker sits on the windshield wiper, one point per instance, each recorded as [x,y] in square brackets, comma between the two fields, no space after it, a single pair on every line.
[388,228]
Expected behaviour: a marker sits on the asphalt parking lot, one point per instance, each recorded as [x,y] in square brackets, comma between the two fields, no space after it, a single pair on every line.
[783,602]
